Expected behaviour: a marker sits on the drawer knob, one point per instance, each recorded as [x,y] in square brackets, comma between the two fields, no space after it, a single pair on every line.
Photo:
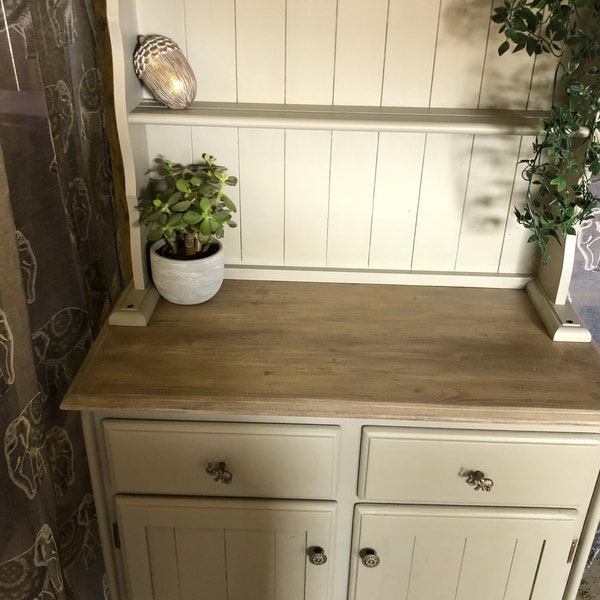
[219,472]
[316,555]
[369,558]
[479,481]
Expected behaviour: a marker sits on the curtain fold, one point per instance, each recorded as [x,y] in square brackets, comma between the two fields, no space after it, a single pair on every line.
[60,274]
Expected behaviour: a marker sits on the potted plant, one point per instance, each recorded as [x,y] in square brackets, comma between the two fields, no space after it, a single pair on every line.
[566,157]
[186,211]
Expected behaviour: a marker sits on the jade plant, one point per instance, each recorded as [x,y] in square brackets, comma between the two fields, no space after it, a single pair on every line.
[187,207]
[566,156]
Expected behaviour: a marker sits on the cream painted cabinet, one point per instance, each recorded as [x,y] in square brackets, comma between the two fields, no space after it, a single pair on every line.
[253,510]
[199,508]
[454,553]
[184,549]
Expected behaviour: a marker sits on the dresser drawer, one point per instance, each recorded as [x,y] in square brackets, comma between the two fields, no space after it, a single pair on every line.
[478,467]
[259,460]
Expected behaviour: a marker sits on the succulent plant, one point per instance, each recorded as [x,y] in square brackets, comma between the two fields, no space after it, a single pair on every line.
[187,206]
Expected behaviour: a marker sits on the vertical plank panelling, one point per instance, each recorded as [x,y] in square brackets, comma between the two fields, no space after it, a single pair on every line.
[222,142]
[460,53]
[164,18]
[260,50]
[410,52]
[478,558]
[399,163]
[486,205]
[250,565]
[310,51]
[517,255]
[173,142]
[526,558]
[353,161]
[290,564]
[211,48]
[505,78]
[262,195]
[162,556]
[540,96]
[201,561]
[445,175]
[360,49]
[442,558]
[306,197]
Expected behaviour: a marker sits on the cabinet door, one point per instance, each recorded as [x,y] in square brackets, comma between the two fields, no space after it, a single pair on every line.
[184,549]
[458,553]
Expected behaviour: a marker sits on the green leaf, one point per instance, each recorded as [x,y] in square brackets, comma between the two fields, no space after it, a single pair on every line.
[192,217]
[503,48]
[205,205]
[181,206]
[155,234]
[182,185]
[206,227]
[228,203]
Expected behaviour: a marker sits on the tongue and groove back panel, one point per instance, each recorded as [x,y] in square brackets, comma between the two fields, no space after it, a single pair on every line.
[375,198]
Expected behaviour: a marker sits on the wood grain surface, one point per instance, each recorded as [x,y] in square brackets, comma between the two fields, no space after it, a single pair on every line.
[346,350]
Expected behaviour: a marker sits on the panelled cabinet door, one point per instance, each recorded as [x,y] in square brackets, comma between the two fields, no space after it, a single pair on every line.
[457,553]
[187,548]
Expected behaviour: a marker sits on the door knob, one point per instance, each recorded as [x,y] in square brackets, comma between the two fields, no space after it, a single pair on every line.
[369,558]
[316,555]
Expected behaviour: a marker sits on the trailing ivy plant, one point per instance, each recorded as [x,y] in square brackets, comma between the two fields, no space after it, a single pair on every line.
[566,156]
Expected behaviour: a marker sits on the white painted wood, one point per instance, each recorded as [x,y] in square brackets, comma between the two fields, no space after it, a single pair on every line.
[310,51]
[265,460]
[518,256]
[444,549]
[172,142]
[397,186]
[164,18]
[251,564]
[460,52]
[342,118]
[540,94]
[410,52]
[262,190]
[441,202]
[353,162]
[488,194]
[260,28]
[202,547]
[210,31]
[248,563]
[506,78]
[222,143]
[134,306]
[359,52]
[527,469]
[163,558]
[307,166]
[555,277]
[561,321]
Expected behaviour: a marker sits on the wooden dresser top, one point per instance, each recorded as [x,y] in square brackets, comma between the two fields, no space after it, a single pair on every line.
[346,350]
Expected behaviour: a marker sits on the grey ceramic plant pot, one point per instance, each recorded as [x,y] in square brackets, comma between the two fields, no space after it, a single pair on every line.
[187,281]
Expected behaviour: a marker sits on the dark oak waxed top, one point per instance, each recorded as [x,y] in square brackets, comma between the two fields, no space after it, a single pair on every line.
[346,350]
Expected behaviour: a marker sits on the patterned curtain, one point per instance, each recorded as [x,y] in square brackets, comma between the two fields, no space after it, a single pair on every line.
[59,277]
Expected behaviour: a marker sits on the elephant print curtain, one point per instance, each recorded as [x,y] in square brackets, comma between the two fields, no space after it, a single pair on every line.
[60,274]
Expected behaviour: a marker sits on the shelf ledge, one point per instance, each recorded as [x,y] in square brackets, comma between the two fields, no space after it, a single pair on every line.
[344,118]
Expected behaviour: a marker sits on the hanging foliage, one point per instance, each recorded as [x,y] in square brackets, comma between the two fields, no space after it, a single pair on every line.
[566,156]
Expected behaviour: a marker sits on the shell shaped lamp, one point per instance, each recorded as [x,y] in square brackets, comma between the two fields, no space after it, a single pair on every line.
[164,70]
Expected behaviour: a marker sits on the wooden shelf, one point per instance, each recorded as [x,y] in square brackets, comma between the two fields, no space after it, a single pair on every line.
[347,118]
